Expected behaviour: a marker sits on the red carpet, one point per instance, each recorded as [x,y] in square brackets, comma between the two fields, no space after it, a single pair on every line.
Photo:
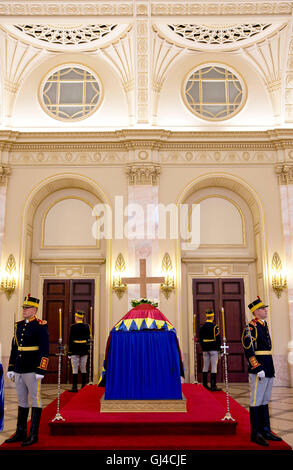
[154,431]
[82,417]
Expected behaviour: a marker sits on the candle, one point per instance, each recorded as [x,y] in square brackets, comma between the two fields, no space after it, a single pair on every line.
[91,320]
[223,321]
[60,324]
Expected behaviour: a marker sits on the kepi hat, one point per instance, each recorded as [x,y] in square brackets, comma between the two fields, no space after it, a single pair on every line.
[30,302]
[256,304]
[79,314]
[210,313]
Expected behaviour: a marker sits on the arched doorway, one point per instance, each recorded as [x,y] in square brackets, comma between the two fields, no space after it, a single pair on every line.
[41,259]
[239,260]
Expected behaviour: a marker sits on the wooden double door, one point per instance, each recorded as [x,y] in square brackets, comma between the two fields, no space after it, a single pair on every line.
[229,294]
[69,295]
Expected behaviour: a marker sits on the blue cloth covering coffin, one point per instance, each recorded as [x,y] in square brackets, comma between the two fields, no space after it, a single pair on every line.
[143,358]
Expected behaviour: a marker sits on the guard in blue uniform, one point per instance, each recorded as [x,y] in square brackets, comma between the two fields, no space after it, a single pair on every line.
[78,349]
[210,341]
[257,345]
[27,366]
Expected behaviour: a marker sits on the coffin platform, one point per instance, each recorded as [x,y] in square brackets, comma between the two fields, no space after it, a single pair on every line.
[143,406]
[201,414]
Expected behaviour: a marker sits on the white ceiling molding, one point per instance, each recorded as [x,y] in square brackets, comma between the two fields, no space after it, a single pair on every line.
[67,37]
[216,38]
[17,60]
[121,56]
[269,58]
[159,8]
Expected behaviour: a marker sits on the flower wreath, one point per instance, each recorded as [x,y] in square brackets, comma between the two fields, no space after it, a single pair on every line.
[136,302]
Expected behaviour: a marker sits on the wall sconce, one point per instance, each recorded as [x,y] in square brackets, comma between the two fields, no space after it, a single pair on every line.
[279,279]
[169,284]
[8,277]
[118,287]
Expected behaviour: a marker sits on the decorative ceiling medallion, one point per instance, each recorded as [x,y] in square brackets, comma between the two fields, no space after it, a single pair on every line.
[217,35]
[66,35]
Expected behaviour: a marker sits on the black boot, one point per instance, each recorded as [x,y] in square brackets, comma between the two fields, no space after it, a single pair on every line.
[21,427]
[83,380]
[205,380]
[265,421]
[255,426]
[34,430]
[74,383]
[214,387]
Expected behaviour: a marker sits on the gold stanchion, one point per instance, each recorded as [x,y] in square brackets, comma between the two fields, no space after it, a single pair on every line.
[60,353]
[195,353]
[225,354]
[91,348]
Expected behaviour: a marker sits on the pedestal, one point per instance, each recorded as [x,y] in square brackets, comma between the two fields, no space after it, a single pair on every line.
[143,406]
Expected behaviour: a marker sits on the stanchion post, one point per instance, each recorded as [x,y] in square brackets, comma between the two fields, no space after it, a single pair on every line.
[195,362]
[195,353]
[90,364]
[60,353]
[91,348]
[225,354]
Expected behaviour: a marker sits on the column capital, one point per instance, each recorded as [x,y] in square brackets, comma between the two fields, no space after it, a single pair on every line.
[143,174]
[285,173]
[5,171]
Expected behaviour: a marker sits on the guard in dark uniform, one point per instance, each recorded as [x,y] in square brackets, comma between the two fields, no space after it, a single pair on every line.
[27,366]
[210,341]
[78,349]
[257,345]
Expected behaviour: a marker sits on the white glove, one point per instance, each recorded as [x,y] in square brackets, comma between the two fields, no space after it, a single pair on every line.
[11,375]
[39,377]
[261,374]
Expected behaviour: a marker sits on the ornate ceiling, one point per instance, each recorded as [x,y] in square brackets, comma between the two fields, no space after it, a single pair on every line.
[92,36]
[142,40]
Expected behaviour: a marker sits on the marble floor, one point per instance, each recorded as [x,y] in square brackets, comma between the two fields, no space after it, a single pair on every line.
[281,407]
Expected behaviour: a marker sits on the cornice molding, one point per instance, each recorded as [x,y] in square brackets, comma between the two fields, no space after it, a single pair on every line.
[70,261]
[139,137]
[146,147]
[192,259]
[159,8]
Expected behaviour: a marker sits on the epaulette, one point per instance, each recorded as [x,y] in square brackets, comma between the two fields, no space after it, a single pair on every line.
[252,325]
[42,322]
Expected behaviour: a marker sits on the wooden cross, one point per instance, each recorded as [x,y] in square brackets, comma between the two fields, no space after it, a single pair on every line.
[142,280]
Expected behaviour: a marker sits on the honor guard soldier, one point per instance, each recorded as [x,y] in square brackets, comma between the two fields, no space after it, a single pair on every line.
[210,341]
[78,348]
[27,366]
[257,345]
